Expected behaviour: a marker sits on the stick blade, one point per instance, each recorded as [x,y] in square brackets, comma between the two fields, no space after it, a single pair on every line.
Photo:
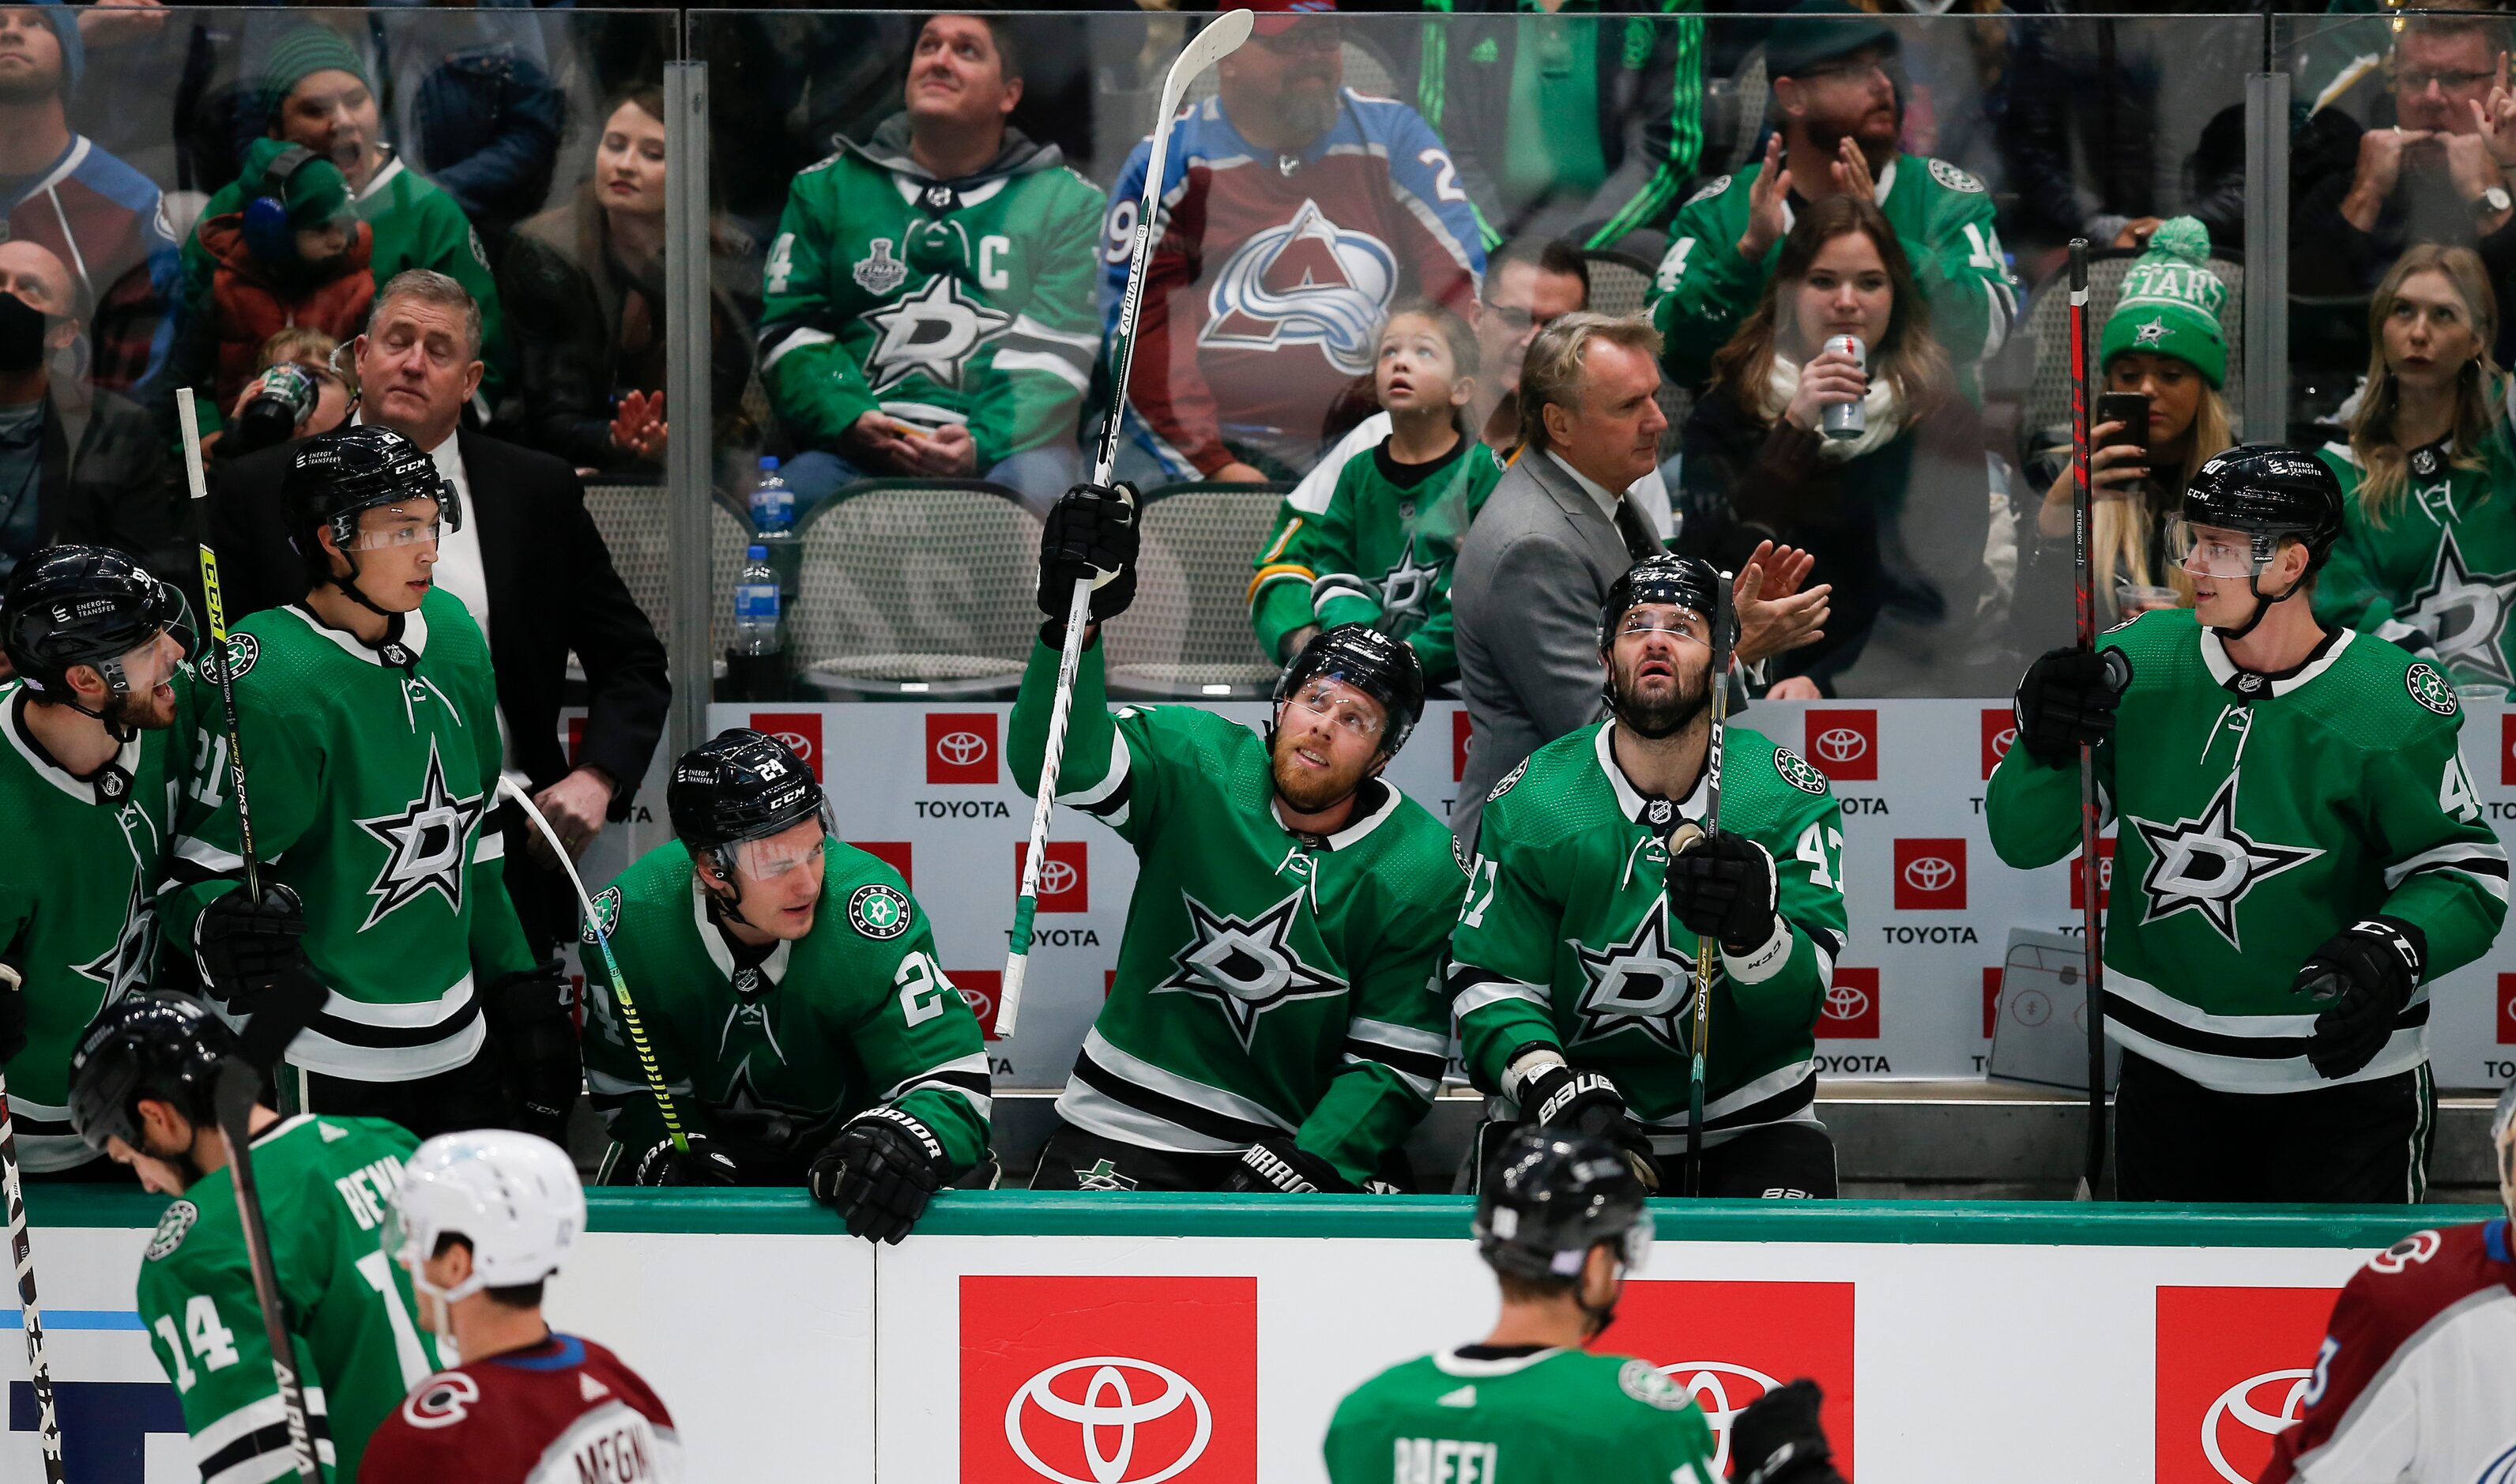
[1221,37]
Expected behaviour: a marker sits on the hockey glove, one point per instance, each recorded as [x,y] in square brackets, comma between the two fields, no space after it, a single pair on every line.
[1280,1164]
[2366,973]
[246,947]
[1553,1095]
[12,1013]
[1723,884]
[536,1037]
[703,1163]
[2069,698]
[880,1172]
[1090,535]
[1777,1439]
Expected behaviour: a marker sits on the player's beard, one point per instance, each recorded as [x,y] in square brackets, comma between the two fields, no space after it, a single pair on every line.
[137,711]
[1667,716]
[1306,793]
[185,1169]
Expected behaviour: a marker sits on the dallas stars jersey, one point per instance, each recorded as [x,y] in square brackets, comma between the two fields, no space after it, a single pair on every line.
[968,302]
[1552,1416]
[773,1057]
[1378,551]
[369,772]
[2258,819]
[2438,577]
[324,1184]
[1269,983]
[1942,215]
[1566,940]
[78,895]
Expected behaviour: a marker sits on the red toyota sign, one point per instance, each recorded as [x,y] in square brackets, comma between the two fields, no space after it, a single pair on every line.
[1112,1379]
[980,988]
[1459,730]
[2508,1010]
[1991,1000]
[1064,884]
[1850,1012]
[1999,730]
[961,747]
[896,854]
[2233,1365]
[1728,1343]
[1844,745]
[2104,878]
[2508,745]
[1930,876]
[800,731]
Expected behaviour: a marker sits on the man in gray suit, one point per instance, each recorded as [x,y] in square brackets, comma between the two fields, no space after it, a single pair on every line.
[1557,531]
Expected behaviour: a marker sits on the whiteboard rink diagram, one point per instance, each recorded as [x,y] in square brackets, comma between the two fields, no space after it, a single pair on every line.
[926,786]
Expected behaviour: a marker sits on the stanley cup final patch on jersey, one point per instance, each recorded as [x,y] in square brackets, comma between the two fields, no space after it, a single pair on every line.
[607,915]
[1797,772]
[878,911]
[172,1228]
[2430,689]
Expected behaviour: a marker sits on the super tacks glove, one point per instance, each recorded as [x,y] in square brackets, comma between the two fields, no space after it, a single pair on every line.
[1553,1095]
[2068,697]
[1777,1439]
[246,947]
[1723,884]
[2366,973]
[703,1163]
[880,1172]
[1090,535]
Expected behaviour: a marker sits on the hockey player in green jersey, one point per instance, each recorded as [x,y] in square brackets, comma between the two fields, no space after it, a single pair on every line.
[97,723]
[1560,1219]
[930,306]
[1380,552]
[369,719]
[2299,852]
[1573,971]
[1275,1022]
[789,992]
[141,1092]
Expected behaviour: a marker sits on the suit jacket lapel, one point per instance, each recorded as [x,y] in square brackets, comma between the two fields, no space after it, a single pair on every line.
[1594,529]
[493,507]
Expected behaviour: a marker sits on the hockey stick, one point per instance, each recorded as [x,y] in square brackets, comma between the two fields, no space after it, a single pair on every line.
[48,1426]
[1707,952]
[611,967]
[1221,37]
[213,612]
[2082,585]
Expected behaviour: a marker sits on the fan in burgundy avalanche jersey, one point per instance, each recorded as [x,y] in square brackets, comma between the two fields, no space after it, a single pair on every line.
[2418,1367]
[1294,214]
[481,1220]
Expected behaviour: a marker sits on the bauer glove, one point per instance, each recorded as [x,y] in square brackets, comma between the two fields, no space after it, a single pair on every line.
[1777,1439]
[1553,1095]
[1723,884]
[703,1163]
[2365,973]
[535,1036]
[2068,698]
[245,947]
[880,1172]
[1090,535]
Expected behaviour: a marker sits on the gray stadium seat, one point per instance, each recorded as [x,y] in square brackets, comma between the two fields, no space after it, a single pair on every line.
[1187,631]
[636,522]
[2048,323]
[917,580]
[1620,284]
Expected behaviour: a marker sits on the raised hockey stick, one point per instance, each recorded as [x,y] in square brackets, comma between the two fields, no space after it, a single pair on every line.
[1708,953]
[215,615]
[1221,37]
[48,1426]
[611,968]
[2083,595]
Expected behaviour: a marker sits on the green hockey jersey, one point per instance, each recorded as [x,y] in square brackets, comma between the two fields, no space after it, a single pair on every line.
[324,1184]
[2226,878]
[1269,982]
[370,770]
[2439,575]
[770,1057]
[1942,215]
[968,302]
[1566,940]
[1378,551]
[1552,1416]
[78,901]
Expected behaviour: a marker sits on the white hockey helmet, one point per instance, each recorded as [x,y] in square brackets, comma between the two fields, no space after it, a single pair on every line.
[513,1198]
[2502,1148]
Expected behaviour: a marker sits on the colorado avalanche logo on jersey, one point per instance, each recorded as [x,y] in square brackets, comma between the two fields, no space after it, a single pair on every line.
[932,333]
[2465,615]
[1307,282]
[427,845]
[2208,866]
[1246,965]
[1643,982]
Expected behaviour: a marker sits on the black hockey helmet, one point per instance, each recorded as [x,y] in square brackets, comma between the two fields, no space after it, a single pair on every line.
[740,786]
[334,476]
[82,605]
[147,1044]
[2270,492]
[1685,581]
[1546,1199]
[1383,669]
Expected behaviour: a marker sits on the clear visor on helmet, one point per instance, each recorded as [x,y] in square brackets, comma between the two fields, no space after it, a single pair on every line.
[1634,1247]
[1344,704]
[1681,624]
[393,525]
[153,663]
[2215,551]
[772,857]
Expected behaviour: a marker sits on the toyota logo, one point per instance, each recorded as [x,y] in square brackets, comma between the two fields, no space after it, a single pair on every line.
[961,748]
[796,742]
[1930,874]
[1107,1405]
[1056,876]
[2002,740]
[2242,1404]
[1844,1002]
[1723,1390]
[982,1004]
[1840,745]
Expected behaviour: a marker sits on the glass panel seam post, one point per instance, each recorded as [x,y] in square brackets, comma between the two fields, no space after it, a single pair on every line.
[2266,126]
[687,455]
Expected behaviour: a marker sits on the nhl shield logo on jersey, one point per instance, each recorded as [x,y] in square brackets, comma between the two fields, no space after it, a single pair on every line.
[932,333]
[1245,966]
[172,1228]
[607,915]
[1643,982]
[427,845]
[2207,864]
[2429,689]
[878,911]
[1307,282]
[879,273]
[1797,772]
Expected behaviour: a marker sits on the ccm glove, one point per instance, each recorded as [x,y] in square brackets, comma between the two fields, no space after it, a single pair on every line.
[703,1163]
[1553,1095]
[2069,698]
[2365,973]
[880,1172]
[1280,1164]
[1091,537]
[246,947]
[536,1035]
[1723,884]
[1777,1439]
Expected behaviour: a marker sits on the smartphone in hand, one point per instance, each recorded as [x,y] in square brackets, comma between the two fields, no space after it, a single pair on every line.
[2131,409]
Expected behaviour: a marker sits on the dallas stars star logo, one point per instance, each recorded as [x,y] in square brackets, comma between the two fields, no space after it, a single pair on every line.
[118,968]
[425,845]
[2151,333]
[2464,614]
[1247,966]
[1643,981]
[2208,865]
[931,333]
[1407,586]
[748,1115]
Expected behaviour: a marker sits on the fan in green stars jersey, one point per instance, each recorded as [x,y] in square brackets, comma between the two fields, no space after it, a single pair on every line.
[1573,970]
[96,726]
[1275,1023]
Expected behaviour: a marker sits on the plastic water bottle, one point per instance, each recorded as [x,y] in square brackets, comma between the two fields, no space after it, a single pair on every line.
[759,626]
[772,525]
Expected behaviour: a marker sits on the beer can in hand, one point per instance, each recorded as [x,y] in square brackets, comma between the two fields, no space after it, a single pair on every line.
[1847,419]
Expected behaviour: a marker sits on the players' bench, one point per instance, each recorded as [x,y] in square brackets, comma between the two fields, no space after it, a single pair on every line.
[1188,632]
[2048,326]
[1620,284]
[918,587]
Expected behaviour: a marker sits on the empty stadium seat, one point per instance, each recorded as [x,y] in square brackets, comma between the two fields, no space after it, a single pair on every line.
[636,524]
[917,582]
[1188,632]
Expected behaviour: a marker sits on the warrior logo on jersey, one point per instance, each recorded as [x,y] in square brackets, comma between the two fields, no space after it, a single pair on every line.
[1643,981]
[1246,965]
[607,915]
[879,273]
[2465,615]
[1407,589]
[172,1228]
[427,845]
[932,333]
[1307,282]
[878,911]
[2208,865]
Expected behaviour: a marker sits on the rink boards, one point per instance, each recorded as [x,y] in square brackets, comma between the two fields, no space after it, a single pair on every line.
[1021,1338]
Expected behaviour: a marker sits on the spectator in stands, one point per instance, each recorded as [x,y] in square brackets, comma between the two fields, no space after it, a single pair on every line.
[1296,215]
[1557,531]
[475,107]
[77,463]
[317,355]
[584,282]
[527,561]
[929,295]
[296,392]
[1837,113]
[2427,556]
[102,219]
[1897,515]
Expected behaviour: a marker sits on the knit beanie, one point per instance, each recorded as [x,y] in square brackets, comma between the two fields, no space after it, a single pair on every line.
[2171,303]
[300,54]
[316,193]
[65,23]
